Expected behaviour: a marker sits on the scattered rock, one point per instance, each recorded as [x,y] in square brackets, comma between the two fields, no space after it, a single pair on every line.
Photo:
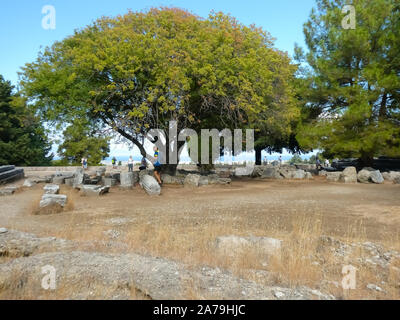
[364,176]
[101,171]
[168,179]
[396,180]
[128,179]
[298,174]
[51,189]
[390,176]
[8,191]
[376,177]
[349,175]
[371,286]
[79,176]
[52,199]
[3,230]
[94,190]
[271,173]
[28,183]
[109,182]
[58,180]
[150,185]
[333,176]
[308,175]
[113,234]
[229,245]
[192,180]
[69,181]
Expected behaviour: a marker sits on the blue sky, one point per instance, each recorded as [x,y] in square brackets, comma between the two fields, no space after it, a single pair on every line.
[22,35]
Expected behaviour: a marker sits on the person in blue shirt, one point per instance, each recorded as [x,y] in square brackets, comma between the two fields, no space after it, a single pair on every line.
[157,165]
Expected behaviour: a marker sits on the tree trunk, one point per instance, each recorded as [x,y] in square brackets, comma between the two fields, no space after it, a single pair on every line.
[366,160]
[258,156]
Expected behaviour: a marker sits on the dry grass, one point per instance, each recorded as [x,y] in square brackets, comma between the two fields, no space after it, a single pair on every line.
[304,259]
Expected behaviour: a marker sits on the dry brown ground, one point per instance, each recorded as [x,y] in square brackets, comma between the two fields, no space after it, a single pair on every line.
[182,224]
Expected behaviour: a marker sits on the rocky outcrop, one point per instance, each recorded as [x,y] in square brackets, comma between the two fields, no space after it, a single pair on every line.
[95,275]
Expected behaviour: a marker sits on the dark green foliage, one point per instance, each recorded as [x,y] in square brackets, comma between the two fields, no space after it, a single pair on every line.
[23,139]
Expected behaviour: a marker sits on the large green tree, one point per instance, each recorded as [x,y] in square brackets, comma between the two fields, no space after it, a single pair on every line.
[141,70]
[23,139]
[79,140]
[351,90]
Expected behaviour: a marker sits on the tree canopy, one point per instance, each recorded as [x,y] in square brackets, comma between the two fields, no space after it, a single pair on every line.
[23,139]
[79,141]
[351,92]
[140,70]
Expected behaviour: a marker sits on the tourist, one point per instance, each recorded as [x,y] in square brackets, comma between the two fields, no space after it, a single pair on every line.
[327,164]
[143,164]
[280,160]
[130,164]
[318,163]
[114,162]
[157,165]
[84,163]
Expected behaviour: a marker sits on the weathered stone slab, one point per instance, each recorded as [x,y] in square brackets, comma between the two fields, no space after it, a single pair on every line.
[94,190]
[8,191]
[52,199]
[128,179]
[28,183]
[6,168]
[51,189]
[109,182]
[150,185]
[58,180]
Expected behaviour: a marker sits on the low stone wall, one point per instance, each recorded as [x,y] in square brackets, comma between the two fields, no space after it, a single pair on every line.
[57,168]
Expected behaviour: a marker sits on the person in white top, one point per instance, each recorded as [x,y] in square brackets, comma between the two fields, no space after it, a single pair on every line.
[130,164]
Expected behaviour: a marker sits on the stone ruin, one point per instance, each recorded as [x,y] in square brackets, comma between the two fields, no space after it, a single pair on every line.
[10,173]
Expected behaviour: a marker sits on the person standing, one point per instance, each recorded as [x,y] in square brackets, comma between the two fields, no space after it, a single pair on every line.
[130,164]
[84,163]
[318,163]
[143,164]
[157,165]
[280,160]
[114,162]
